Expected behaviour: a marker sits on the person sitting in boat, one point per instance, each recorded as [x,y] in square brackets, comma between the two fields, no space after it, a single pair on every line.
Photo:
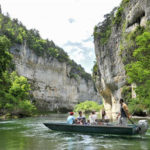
[104,116]
[81,119]
[93,118]
[71,118]
[124,113]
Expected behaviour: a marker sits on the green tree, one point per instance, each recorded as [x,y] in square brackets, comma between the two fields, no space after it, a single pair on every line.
[88,106]
[16,100]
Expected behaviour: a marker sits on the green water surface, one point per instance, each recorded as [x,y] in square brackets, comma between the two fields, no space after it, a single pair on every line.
[31,134]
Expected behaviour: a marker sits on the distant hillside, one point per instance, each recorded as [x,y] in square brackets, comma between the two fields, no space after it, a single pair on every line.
[18,34]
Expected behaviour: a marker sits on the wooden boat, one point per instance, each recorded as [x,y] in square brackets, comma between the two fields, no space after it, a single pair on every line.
[96,129]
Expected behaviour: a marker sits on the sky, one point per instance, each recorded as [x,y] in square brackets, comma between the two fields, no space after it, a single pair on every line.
[69,23]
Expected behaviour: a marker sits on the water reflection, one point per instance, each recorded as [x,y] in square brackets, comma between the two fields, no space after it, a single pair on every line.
[31,134]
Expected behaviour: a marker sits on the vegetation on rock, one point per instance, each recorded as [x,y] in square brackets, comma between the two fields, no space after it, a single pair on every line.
[118,18]
[78,71]
[137,63]
[103,31]
[95,71]
[119,14]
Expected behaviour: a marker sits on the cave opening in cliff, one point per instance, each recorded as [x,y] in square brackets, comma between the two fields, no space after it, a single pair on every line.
[137,19]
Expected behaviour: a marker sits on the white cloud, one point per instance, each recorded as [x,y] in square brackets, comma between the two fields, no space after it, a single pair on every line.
[62,21]
[91,54]
[89,44]
[78,55]
[71,20]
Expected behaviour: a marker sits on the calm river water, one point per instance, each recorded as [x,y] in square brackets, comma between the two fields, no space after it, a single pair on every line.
[31,134]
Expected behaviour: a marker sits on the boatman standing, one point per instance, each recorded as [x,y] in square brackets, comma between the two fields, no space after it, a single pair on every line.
[124,113]
[71,118]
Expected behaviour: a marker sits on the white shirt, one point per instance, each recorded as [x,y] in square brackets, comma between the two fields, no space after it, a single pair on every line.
[92,118]
[105,117]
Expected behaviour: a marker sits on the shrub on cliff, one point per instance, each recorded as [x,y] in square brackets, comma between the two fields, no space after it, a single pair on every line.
[95,71]
[120,12]
[103,31]
[88,106]
[78,70]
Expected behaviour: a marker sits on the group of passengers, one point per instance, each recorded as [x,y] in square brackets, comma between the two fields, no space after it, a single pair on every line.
[81,119]
[121,117]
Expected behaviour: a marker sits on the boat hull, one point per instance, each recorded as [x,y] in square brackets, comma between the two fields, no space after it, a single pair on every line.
[96,129]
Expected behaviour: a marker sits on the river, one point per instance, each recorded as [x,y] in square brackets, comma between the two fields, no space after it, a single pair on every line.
[31,134]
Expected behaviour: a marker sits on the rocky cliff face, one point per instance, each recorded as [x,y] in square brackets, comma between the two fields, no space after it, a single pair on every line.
[52,88]
[111,67]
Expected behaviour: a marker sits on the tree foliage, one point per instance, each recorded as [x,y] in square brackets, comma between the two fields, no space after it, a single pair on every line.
[88,106]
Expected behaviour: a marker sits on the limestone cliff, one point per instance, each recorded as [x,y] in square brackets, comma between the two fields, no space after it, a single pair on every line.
[52,88]
[108,39]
